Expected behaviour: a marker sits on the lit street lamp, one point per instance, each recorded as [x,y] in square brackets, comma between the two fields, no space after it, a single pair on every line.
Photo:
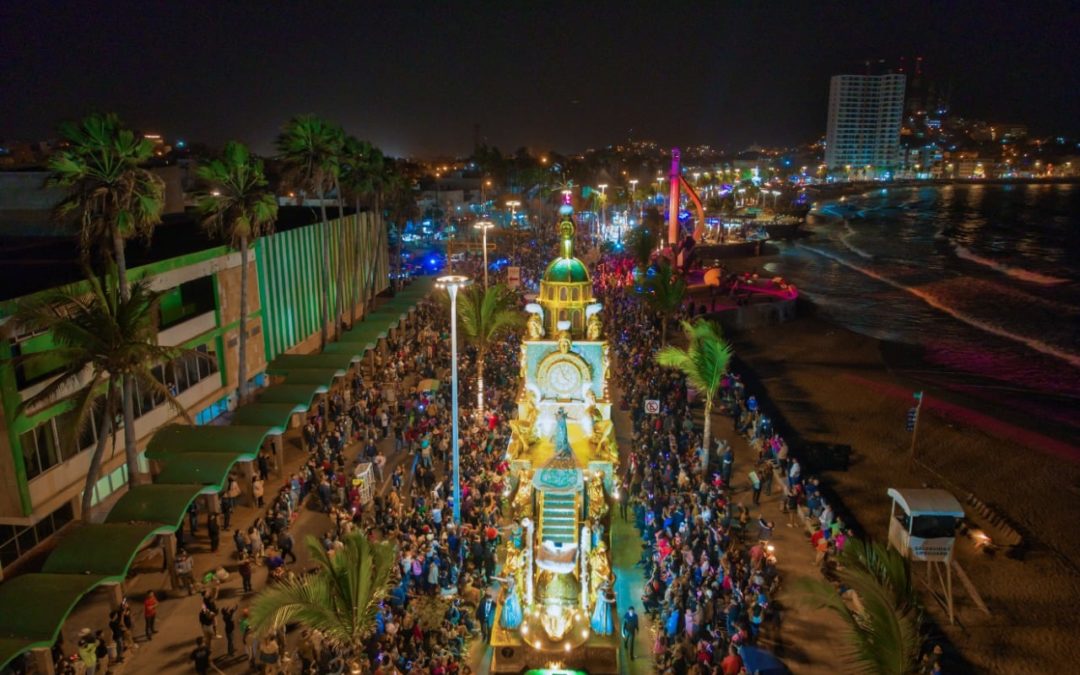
[513,204]
[451,284]
[633,192]
[603,208]
[485,225]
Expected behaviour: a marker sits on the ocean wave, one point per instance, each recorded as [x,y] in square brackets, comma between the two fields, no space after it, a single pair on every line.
[929,299]
[844,239]
[1014,272]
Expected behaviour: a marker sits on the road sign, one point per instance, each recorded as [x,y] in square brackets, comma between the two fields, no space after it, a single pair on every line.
[652,407]
[513,277]
[912,416]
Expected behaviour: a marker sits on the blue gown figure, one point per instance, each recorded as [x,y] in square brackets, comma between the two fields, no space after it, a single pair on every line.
[603,622]
[562,436]
[511,612]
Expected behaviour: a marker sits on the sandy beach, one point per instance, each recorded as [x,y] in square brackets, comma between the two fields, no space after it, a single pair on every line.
[826,384]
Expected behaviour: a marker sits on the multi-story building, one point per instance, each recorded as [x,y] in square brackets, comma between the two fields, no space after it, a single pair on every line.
[863,132]
[43,477]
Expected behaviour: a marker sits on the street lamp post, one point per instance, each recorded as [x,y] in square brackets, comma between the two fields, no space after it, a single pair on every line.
[603,208]
[452,283]
[485,225]
[633,193]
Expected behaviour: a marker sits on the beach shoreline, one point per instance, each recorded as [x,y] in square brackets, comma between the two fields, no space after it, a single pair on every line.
[827,385]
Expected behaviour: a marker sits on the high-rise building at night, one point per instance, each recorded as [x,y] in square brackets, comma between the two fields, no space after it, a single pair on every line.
[865,112]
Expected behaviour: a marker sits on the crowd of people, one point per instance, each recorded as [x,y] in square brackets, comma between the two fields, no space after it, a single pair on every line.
[710,571]
[378,459]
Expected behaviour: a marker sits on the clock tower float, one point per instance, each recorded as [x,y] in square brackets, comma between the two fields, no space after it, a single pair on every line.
[557,604]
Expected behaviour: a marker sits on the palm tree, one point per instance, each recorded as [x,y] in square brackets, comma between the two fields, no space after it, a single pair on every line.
[114,198]
[884,626]
[107,336]
[665,292]
[236,203]
[704,363]
[641,242]
[309,148]
[366,176]
[485,315]
[340,600]
[400,203]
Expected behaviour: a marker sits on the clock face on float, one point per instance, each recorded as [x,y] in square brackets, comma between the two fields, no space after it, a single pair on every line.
[564,379]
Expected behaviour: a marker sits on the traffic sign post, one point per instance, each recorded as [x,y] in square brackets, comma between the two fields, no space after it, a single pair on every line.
[913,421]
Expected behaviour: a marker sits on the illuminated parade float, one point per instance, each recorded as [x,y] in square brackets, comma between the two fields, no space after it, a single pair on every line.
[557,606]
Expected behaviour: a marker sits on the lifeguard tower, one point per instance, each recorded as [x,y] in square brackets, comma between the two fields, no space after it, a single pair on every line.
[923,529]
[563,458]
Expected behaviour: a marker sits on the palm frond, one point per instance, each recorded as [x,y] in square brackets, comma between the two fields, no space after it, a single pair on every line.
[341,599]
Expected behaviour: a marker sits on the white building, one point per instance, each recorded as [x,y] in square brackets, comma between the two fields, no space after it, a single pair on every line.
[863,134]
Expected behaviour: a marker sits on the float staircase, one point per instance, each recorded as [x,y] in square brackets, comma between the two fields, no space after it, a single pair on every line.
[559,520]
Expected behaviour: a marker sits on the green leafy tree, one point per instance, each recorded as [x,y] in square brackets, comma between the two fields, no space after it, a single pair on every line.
[310,150]
[485,315]
[236,203]
[665,292]
[884,617]
[704,362]
[357,181]
[113,197]
[340,600]
[641,243]
[108,336]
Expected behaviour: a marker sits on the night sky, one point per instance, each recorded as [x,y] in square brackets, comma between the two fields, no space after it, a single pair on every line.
[416,77]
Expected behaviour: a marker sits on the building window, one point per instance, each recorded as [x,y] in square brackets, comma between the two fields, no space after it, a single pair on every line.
[16,540]
[47,444]
[188,300]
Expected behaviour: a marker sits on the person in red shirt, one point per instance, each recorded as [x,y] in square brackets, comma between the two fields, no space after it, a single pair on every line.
[150,614]
[732,663]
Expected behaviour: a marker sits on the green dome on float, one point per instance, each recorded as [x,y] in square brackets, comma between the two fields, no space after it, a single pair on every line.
[565,289]
[566,270]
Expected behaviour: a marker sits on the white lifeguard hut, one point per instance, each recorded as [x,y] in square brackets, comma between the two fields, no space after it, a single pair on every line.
[924,529]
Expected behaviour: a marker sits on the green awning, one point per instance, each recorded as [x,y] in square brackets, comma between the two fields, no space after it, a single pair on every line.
[296,394]
[275,416]
[105,550]
[286,362]
[12,647]
[241,440]
[157,503]
[320,376]
[208,469]
[354,350]
[365,332]
[36,605]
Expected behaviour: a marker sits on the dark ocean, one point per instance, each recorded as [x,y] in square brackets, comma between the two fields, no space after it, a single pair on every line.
[983,280]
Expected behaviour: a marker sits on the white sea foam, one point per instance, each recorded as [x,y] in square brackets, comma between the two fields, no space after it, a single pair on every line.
[845,240]
[929,299]
[1014,272]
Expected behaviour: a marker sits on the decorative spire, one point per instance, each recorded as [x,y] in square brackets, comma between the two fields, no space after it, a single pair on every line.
[566,232]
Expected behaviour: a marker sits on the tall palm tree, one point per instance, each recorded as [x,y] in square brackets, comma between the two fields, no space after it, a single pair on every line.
[340,600]
[704,363]
[365,177]
[114,198]
[338,141]
[884,627]
[309,149]
[400,203]
[102,335]
[665,292]
[485,315]
[235,202]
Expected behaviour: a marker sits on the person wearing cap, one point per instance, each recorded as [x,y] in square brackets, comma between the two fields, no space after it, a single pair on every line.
[88,650]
